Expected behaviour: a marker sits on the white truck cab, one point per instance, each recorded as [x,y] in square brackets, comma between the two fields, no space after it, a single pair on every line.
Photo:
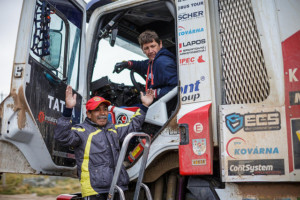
[234,117]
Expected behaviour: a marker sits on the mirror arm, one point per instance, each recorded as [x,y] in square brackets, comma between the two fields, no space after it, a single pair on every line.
[113,37]
[111,24]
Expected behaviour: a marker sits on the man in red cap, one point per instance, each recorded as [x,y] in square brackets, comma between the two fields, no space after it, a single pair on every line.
[160,68]
[96,142]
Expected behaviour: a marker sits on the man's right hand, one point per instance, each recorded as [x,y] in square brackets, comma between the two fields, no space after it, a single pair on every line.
[121,66]
[147,98]
[70,98]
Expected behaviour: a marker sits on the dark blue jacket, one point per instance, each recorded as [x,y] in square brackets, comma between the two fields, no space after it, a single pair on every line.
[164,71]
[97,150]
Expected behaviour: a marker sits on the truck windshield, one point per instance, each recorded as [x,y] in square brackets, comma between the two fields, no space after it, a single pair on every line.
[108,56]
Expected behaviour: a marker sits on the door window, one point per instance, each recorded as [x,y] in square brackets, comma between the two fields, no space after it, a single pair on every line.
[56,39]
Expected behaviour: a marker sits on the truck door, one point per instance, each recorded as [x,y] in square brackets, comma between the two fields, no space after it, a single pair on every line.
[48,57]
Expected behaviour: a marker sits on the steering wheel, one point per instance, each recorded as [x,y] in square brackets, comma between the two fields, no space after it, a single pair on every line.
[140,87]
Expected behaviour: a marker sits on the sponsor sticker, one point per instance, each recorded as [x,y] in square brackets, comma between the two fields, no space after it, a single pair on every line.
[122,118]
[182,31]
[191,60]
[47,119]
[191,5]
[294,98]
[192,47]
[295,127]
[264,121]
[188,90]
[199,162]
[182,7]
[238,147]
[199,146]
[190,15]
[256,167]
[63,154]
[198,128]
[41,117]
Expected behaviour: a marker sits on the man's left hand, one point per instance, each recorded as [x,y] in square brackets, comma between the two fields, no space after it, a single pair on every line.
[147,98]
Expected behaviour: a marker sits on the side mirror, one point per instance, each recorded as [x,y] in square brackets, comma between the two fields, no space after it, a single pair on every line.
[113,37]
[55,49]
[42,19]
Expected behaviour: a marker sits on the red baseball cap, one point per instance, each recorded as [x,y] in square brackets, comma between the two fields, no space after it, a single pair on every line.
[94,102]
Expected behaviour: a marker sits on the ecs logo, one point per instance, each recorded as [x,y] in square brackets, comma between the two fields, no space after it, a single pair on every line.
[234,122]
[264,121]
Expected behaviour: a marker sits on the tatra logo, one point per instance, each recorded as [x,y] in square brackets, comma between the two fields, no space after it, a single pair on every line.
[190,15]
[182,31]
[191,60]
[264,121]
[58,105]
[122,118]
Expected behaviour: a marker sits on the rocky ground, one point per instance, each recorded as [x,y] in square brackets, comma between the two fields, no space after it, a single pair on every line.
[26,196]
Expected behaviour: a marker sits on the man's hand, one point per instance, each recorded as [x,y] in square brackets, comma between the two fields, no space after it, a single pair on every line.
[70,98]
[121,66]
[147,98]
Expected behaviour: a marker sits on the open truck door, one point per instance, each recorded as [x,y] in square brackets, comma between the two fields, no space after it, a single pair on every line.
[49,56]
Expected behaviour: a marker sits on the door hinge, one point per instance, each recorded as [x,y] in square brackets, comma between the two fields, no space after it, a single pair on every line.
[18,72]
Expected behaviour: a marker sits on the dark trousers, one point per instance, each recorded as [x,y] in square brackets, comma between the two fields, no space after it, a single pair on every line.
[101,197]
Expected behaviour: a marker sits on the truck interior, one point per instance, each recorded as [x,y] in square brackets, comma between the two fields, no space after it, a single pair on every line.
[118,42]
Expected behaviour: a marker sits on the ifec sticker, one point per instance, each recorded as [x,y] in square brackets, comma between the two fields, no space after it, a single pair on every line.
[199,162]
[199,146]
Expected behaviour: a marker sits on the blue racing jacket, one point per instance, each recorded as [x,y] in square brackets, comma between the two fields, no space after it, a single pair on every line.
[164,71]
[97,149]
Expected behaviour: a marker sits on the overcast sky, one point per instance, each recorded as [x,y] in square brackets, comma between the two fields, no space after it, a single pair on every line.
[9,21]
[10,11]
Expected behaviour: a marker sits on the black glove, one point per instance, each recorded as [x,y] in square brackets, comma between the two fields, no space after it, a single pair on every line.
[121,66]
